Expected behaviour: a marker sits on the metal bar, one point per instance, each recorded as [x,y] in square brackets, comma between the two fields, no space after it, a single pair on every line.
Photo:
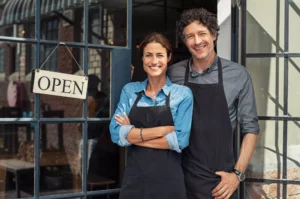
[279,118]
[243,32]
[235,32]
[85,105]
[285,107]
[107,120]
[254,55]
[243,62]
[52,120]
[37,104]
[269,181]
[70,195]
[49,42]
[129,24]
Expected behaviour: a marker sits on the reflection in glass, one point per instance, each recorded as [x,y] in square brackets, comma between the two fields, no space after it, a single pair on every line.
[17,18]
[16,160]
[108,22]
[103,159]
[257,190]
[293,87]
[59,158]
[16,61]
[293,151]
[267,75]
[99,83]
[62,157]
[263,36]
[268,156]
[293,191]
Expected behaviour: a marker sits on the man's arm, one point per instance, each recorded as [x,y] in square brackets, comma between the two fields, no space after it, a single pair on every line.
[246,151]
[247,117]
[229,180]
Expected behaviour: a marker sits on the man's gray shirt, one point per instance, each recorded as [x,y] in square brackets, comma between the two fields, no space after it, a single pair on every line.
[237,85]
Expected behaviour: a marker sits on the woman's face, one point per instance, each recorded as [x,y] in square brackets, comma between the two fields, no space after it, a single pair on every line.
[155,60]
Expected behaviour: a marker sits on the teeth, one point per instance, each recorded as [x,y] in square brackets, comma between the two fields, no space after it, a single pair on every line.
[200,47]
[154,67]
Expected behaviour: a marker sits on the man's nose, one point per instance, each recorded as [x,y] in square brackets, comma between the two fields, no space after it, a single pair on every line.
[197,39]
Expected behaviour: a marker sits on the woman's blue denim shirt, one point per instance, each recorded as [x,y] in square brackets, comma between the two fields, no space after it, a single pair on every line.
[181,104]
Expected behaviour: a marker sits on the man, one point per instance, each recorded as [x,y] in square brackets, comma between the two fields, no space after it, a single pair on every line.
[223,94]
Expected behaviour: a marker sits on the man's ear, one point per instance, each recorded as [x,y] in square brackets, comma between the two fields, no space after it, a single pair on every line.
[214,36]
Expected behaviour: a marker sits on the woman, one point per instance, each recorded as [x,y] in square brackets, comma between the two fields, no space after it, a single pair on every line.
[156,129]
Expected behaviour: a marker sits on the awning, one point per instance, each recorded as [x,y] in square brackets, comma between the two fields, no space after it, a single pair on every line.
[16,11]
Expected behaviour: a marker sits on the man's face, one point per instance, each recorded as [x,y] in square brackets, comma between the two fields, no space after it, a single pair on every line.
[199,41]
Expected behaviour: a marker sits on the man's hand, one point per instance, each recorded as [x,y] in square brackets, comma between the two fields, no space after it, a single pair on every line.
[227,186]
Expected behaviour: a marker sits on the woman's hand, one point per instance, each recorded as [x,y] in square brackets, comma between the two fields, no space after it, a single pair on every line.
[122,120]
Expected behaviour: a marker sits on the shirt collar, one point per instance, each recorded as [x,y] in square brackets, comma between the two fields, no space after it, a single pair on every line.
[143,85]
[208,70]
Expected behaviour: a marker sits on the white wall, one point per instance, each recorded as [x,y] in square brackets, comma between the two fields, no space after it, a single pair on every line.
[224,18]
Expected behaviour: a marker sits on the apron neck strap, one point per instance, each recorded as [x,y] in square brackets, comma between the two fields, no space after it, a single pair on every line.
[187,72]
[220,72]
[138,98]
[141,94]
[168,99]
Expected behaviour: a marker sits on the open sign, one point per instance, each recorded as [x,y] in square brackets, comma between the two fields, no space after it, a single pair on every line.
[59,84]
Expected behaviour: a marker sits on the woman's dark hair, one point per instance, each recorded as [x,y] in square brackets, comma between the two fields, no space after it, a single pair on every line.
[157,38]
[200,15]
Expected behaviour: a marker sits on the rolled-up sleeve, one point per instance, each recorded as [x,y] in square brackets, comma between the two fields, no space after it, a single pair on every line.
[119,132]
[173,141]
[179,139]
[247,113]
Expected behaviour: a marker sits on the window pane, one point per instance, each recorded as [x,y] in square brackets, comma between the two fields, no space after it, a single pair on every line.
[16,99]
[263,36]
[293,191]
[60,20]
[108,22]
[293,151]
[17,160]
[105,159]
[60,158]
[293,87]
[99,82]
[268,80]
[50,28]
[255,190]
[17,19]
[267,159]
[294,20]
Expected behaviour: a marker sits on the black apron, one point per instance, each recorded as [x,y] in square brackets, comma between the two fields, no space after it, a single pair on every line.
[152,173]
[211,140]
